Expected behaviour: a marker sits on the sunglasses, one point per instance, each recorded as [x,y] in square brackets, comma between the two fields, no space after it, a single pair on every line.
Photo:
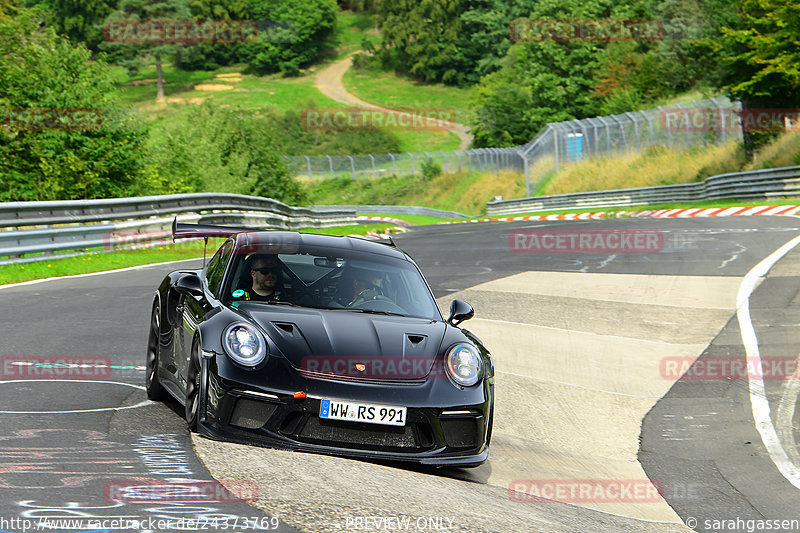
[266,270]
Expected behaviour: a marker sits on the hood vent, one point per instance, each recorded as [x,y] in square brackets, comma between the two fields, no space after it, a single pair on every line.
[415,339]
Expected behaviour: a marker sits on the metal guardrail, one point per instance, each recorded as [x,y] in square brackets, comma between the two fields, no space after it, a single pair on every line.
[394,210]
[15,214]
[39,231]
[753,185]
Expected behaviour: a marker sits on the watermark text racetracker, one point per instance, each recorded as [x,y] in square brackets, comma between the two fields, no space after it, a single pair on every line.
[701,119]
[55,367]
[711,368]
[592,30]
[190,31]
[601,491]
[373,366]
[585,490]
[50,118]
[586,241]
[354,119]
[159,492]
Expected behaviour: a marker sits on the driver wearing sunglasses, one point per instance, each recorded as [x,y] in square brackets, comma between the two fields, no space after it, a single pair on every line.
[265,271]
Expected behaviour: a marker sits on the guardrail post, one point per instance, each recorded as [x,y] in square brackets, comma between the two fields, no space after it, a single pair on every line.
[412,162]
[330,162]
[394,165]
[374,172]
[308,163]
[352,166]
[444,156]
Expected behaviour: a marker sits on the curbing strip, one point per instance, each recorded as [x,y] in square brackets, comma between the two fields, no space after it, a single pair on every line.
[689,212]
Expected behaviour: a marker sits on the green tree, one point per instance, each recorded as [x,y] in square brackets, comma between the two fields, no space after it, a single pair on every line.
[134,55]
[211,56]
[421,36]
[292,34]
[80,20]
[543,81]
[225,149]
[758,60]
[41,72]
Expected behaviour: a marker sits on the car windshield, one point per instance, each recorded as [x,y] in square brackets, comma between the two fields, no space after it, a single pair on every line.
[332,279]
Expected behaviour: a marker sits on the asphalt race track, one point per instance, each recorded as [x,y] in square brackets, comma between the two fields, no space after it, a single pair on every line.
[611,376]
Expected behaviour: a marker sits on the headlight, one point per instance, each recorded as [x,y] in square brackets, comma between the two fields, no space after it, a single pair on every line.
[463,363]
[244,344]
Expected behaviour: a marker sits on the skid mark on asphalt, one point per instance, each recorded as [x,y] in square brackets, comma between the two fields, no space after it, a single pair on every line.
[587,392]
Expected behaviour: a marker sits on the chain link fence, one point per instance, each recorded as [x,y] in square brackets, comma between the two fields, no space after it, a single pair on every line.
[378,165]
[678,126]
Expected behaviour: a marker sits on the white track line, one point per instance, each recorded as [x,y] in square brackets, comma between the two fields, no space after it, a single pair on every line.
[138,267]
[758,395]
[81,381]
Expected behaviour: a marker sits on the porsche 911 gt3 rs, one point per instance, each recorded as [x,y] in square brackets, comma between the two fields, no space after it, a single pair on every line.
[322,344]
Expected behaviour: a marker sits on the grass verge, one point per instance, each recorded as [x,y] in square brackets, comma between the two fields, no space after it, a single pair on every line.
[387,89]
[465,192]
[99,261]
[657,165]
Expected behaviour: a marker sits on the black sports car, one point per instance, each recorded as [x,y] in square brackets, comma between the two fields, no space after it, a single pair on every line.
[321,344]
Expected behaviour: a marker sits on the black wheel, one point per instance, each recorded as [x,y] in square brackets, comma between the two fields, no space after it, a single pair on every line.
[152,384]
[193,392]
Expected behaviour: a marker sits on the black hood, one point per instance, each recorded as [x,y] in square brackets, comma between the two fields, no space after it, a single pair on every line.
[352,344]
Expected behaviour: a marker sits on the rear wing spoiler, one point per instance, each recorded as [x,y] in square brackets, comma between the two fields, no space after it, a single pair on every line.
[189,231]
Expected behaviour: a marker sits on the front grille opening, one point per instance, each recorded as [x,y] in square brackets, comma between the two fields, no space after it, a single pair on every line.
[251,414]
[359,435]
[425,435]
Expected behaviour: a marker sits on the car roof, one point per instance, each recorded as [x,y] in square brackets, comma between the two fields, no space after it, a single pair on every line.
[296,240]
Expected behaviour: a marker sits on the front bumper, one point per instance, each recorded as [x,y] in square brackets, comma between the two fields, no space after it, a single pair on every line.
[438,431]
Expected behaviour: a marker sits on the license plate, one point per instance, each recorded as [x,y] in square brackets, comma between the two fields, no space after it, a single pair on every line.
[388,415]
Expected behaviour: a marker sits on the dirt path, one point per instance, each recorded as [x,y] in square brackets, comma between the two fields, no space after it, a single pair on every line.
[329,82]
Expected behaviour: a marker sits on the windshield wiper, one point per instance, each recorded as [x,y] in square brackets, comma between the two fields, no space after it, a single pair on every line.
[370,311]
[281,302]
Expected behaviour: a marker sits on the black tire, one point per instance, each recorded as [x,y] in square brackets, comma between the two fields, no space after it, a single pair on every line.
[193,389]
[155,391]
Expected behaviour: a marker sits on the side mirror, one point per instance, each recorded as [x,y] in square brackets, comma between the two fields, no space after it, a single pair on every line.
[190,283]
[459,312]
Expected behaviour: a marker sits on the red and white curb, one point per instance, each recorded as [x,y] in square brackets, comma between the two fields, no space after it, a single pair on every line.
[720,211]
[390,220]
[400,227]
[661,213]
